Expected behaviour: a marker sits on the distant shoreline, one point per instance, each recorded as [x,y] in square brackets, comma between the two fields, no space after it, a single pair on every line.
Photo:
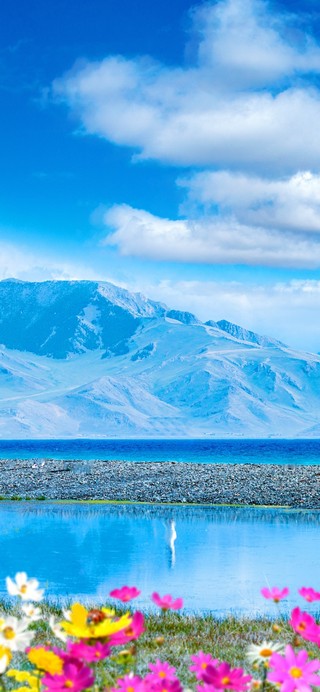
[267,485]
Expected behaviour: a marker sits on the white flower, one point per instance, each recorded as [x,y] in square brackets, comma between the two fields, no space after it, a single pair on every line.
[67,615]
[57,629]
[5,658]
[26,588]
[14,634]
[261,653]
[31,612]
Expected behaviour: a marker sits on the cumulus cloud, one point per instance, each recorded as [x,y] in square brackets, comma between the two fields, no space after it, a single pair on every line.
[208,240]
[287,311]
[288,203]
[243,103]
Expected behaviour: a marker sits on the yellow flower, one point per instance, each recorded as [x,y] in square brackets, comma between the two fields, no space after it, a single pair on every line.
[24,676]
[82,626]
[45,660]
[5,658]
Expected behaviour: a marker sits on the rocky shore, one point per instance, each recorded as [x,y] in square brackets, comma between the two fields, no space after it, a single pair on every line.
[248,484]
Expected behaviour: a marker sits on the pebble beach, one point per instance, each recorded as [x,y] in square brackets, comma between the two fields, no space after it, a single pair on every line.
[161,482]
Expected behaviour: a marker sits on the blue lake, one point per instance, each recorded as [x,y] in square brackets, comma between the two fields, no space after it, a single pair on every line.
[271,451]
[217,559]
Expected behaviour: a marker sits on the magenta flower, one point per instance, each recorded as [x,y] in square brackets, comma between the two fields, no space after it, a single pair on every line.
[129,683]
[166,602]
[165,686]
[160,671]
[275,594]
[134,631]
[125,594]
[90,653]
[201,662]
[75,677]
[309,594]
[293,671]
[223,677]
[305,625]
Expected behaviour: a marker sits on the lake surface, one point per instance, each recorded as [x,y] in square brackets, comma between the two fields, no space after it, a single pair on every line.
[217,559]
[241,451]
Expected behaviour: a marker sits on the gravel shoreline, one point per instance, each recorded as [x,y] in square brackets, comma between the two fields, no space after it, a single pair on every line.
[169,482]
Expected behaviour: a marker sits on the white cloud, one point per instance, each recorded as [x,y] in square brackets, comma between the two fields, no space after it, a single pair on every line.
[289,203]
[288,311]
[247,102]
[19,262]
[208,240]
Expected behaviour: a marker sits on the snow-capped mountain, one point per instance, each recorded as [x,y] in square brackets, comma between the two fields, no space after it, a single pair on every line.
[89,359]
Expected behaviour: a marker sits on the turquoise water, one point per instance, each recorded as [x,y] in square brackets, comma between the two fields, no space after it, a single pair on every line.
[217,559]
[201,451]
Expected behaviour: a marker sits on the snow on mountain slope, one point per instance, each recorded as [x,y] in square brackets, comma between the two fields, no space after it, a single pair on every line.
[89,359]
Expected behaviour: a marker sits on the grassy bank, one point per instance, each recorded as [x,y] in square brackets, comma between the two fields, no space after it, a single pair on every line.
[174,637]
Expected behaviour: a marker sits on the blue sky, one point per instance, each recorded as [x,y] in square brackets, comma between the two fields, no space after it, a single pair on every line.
[172,148]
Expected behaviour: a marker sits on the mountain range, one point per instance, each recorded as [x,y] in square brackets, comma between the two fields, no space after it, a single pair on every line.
[89,359]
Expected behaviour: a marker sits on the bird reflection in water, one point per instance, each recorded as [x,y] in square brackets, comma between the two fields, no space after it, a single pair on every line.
[171,536]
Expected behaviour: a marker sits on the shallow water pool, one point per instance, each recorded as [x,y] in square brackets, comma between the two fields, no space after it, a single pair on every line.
[216,558]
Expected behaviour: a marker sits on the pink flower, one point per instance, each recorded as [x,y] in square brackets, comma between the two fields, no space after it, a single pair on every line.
[75,677]
[133,631]
[201,662]
[129,683]
[165,686]
[160,671]
[275,594]
[293,671]
[166,602]
[305,625]
[89,653]
[223,677]
[125,594]
[309,594]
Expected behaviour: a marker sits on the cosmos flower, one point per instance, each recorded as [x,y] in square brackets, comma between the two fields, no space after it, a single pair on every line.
[5,658]
[133,631]
[82,626]
[129,683]
[274,593]
[309,594]
[45,660]
[31,612]
[223,677]
[262,653]
[304,625]
[14,633]
[125,594]
[293,671]
[75,677]
[89,652]
[166,602]
[201,662]
[56,628]
[26,588]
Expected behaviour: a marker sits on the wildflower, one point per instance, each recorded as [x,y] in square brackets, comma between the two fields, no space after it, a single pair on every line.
[275,594]
[75,677]
[129,683]
[26,588]
[90,653]
[24,676]
[83,627]
[31,612]
[166,686]
[305,625]
[293,671]
[263,652]
[45,660]
[125,594]
[14,634]
[57,629]
[133,631]
[5,658]
[201,662]
[160,671]
[223,677]
[166,602]
[309,594]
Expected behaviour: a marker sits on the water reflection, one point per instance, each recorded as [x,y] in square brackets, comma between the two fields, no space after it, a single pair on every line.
[216,558]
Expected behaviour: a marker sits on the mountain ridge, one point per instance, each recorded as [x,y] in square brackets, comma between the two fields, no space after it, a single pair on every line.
[83,358]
